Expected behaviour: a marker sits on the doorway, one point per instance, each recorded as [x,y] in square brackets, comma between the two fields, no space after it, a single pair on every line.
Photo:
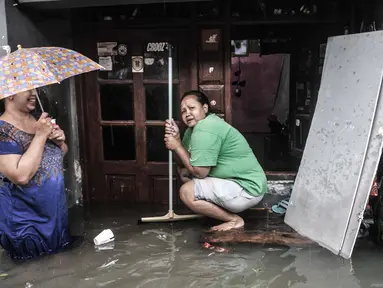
[126,108]
[261,102]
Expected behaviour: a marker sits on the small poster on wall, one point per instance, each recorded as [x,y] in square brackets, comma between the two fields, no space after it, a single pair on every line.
[115,58]
[137,64]
[106,49]
[106,62]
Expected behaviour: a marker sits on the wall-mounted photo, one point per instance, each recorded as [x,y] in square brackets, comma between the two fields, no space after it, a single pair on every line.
[239,48]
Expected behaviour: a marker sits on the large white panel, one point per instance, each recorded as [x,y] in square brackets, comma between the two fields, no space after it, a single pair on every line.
[325,190]
[374,151]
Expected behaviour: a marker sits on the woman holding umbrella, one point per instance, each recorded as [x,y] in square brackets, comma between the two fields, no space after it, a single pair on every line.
[33,210]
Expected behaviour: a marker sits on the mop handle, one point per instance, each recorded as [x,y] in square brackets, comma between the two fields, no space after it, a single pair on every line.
[170,107]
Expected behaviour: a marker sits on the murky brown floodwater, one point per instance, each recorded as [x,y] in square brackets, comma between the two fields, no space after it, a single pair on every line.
[170,255]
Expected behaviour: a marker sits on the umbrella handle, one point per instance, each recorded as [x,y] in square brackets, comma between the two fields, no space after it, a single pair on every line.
[38,100]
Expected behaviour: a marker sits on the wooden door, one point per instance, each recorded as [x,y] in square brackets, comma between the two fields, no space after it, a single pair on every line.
[125,114]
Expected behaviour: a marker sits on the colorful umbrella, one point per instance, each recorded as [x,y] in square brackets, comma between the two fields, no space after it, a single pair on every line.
[31,68]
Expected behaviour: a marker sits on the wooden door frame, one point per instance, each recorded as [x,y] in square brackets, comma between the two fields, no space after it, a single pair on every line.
[91,148]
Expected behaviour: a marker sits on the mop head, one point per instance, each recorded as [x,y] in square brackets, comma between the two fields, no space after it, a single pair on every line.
[170,217]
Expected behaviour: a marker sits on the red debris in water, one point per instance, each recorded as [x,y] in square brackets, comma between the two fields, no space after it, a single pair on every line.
[206,245]
[215,248]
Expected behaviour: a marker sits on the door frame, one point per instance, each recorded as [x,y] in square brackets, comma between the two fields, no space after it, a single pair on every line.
[95,167]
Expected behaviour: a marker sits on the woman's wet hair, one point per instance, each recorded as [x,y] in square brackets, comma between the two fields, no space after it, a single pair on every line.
[201,98]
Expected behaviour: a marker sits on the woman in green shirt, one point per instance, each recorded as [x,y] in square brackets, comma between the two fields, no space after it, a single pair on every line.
[220,172]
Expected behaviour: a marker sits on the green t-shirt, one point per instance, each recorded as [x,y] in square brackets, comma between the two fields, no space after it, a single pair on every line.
[214,143]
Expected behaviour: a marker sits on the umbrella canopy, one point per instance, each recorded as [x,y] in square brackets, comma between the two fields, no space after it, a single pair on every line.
[31,68]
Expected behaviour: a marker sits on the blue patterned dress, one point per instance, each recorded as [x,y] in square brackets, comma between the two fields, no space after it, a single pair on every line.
[33,218]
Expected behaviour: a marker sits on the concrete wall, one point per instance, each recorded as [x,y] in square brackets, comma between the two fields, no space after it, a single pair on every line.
[32,29]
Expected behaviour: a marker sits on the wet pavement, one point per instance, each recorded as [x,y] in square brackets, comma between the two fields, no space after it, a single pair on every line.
[171,255]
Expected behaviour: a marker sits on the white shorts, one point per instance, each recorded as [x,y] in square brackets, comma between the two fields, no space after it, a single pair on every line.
[224,193]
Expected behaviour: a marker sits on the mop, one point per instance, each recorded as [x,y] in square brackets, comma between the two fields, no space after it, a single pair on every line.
[170,216]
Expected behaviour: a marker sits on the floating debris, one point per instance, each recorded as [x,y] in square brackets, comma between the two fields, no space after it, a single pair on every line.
[106,265]
[106,236]
[108,246]
[215,248]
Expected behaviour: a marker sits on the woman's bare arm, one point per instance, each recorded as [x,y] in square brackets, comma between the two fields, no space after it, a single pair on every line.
[20,169]
[198,172]
[178,161]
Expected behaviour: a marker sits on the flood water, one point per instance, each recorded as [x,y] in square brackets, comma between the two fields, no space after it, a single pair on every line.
[171,255]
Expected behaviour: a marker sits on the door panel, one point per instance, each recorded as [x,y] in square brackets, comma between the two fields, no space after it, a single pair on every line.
[121,188]
[160,188]
[156,101]
[118,143]
[116,102]
[126,113]
[155,152]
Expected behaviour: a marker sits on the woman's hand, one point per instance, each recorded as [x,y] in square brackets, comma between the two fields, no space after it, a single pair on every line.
[44,126]
[172,129]
[57,135]
[171,142]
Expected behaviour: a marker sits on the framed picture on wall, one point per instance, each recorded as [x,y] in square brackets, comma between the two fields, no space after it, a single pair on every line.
[210,39]
[240,48]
